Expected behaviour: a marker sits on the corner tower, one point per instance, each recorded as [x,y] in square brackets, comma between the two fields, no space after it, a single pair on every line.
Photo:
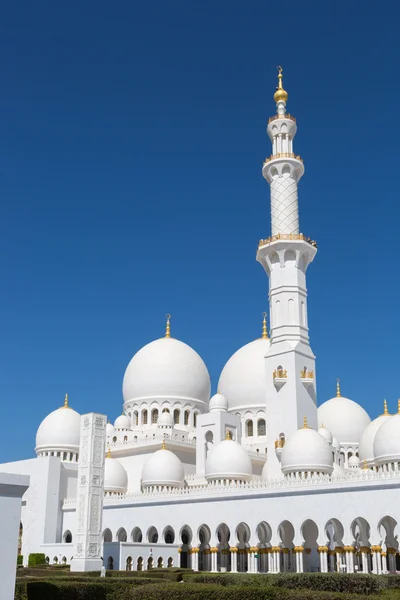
[285,256]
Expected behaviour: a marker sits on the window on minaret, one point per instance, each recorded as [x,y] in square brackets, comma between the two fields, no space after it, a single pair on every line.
[177,414]
[249,427]
[195,419]
[154,416]
[144,417]
[186,421]
[136,417]
[261,428]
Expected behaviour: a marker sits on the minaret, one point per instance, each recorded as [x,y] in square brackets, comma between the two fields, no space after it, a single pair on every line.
[285,256]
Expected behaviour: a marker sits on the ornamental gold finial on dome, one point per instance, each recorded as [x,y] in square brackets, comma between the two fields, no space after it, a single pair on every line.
[66,401]
[280,95]
[163,445]
[338,394]
[168,326]
[385,408]
[365,466]
[305,426]
[264,335]
[228,435]
[108,455]
[398,406]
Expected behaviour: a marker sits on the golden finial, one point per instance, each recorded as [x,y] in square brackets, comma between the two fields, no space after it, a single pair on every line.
[264,327]
[168,326]
[305,426]
[108,455]
[365,466]
[398,406]
[228,435]
[338,394]
[66,401]
[163,445]
[385,408]
[280,95]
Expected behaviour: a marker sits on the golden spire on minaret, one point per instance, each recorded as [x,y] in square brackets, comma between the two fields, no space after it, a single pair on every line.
[264,327]
[168,326]
[280,95]
[338,394]
[66,401]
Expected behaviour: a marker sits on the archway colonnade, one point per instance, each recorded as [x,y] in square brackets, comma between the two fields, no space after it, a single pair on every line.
[358,547]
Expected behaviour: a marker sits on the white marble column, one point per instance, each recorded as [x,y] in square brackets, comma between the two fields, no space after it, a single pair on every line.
[234,555]
[214,559]
[323,558]
[299,550]
[364,560]
[277,559]
[195,559]
[90,491]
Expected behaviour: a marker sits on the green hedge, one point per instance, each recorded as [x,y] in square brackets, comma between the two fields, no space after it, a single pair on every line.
[20,560]
[36,559]
[116,590]
[328,582]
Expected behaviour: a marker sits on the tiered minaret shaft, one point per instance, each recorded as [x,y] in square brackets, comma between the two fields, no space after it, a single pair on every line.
[285,256]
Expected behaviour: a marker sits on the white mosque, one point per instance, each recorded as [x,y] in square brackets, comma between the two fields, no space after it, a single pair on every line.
[256,478]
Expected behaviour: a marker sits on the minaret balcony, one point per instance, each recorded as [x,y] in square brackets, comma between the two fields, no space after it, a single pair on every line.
[287,236]
[279,377]
[283,155]
[307,377]
[285,116]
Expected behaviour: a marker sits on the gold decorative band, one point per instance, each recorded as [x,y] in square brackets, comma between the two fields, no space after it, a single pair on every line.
[282,155]
[287,236]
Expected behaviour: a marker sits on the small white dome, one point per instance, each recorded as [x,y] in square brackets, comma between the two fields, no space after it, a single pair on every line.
[228,460]
[115,476]
[306,450]
[166,368]
[218,403]
[165,420]
[345,419]
[110,429]
[366,446]
[326,434]
[354,462]
[387,441]
[163,468]
[122,422]
[59,431]
[243,378]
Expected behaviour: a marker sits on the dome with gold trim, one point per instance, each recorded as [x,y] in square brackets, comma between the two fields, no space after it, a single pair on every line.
[59,433]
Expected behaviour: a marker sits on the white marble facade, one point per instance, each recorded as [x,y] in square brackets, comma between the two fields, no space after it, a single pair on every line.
[261,477]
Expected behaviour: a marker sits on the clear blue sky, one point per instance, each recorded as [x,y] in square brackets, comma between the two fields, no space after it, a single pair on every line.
[132,136]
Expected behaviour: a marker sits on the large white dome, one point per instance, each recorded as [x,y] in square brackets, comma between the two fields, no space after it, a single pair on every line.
[243,379]
[345,419]
[306,450]
[59,431]
[228,460]
[166,368]
[366,446]
[387,441]
[163,468]
[115,476]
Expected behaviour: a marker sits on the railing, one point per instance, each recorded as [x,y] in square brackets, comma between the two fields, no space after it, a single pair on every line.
[279,374]
[287,236]
[225,486]
[304,374]
[286,116]
[282,155]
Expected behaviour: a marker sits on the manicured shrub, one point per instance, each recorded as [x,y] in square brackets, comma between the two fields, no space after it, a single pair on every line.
[20,560]
[328,582]
[37,558]
[20,590]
